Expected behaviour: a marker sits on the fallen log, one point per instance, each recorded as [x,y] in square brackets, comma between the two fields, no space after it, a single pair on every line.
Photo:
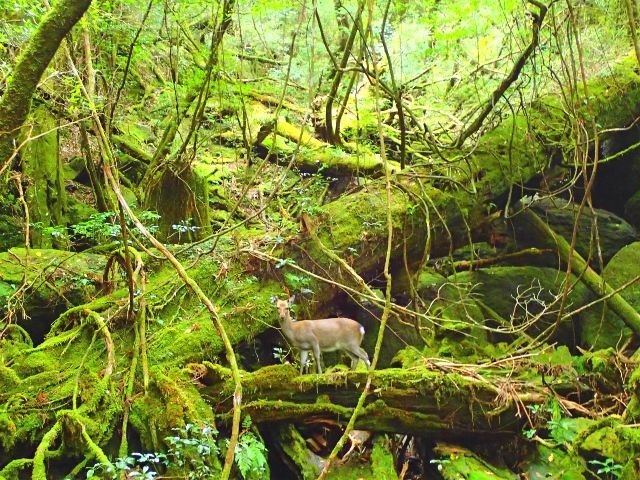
[412,401]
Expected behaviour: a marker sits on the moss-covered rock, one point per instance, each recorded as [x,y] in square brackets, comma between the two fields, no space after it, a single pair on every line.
[600,327]
[613,231]
[555,463]
[78,211]
[632,210]
[36,286]
[73,167]
[458,463]
[613,443]
[508,299]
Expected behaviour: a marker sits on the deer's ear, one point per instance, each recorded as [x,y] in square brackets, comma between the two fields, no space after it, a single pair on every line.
[292,299]
[274,299]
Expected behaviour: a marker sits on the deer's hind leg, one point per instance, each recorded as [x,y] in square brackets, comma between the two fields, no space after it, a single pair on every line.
[354,359]
[360,353]
[317,357]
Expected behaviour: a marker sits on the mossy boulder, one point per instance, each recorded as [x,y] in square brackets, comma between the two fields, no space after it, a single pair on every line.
[613,231]
[72,168]
[615,443]
[600,327]
[632,210]
[555,463]
[78,212]
[458,463]
[36,287]
[505,298]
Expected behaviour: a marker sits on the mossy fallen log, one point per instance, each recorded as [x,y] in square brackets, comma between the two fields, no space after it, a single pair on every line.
[313,155]
[415,401]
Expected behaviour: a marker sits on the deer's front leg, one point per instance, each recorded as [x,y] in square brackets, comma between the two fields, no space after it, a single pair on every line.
[303,359]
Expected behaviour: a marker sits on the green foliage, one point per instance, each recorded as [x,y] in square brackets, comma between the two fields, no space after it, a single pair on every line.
[139,466]
[298,282]
[193,452]
[609,468]
[183,227]
[250,454]
[99,228]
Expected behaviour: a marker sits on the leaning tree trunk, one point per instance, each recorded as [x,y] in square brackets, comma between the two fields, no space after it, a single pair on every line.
[42,168]
[31,64]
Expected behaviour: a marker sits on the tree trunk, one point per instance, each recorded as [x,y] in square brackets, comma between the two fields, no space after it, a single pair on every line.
[42,168]
[31,64]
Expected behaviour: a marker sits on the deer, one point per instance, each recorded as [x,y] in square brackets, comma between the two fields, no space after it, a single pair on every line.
[322,335]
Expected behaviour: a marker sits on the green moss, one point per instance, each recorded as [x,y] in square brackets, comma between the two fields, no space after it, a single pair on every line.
[78,212]
[612,440]
[351,471]
[45,194]
[8,378]
[11,234]
[294,446]
[457,463]
[7,431]
[382,461]
[601,328]
[172,402]
[555,463]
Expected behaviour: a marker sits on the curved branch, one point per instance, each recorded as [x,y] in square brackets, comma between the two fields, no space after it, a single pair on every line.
[512,77]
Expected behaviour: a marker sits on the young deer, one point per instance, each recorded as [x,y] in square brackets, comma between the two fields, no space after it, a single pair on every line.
[324,335]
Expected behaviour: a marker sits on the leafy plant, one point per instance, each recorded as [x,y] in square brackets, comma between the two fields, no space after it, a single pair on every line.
[279,354]
[298,282]
[139,466]
[251,454]
[184,226]
[194,452]
[284,262]
[104,226]
[609,468]
[100,227]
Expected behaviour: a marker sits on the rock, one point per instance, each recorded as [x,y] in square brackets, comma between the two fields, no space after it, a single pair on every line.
[72,168]
[632,210]
[613,231]
[513,294]
[57,280]
[549,462]
[601,328]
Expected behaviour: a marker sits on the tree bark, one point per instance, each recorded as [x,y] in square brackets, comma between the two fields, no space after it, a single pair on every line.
[42,167]
[31,64]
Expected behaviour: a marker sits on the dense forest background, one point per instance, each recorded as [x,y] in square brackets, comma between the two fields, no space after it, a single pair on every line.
[461,178]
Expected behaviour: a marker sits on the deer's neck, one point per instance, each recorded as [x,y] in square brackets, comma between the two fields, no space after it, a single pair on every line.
[287,324]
